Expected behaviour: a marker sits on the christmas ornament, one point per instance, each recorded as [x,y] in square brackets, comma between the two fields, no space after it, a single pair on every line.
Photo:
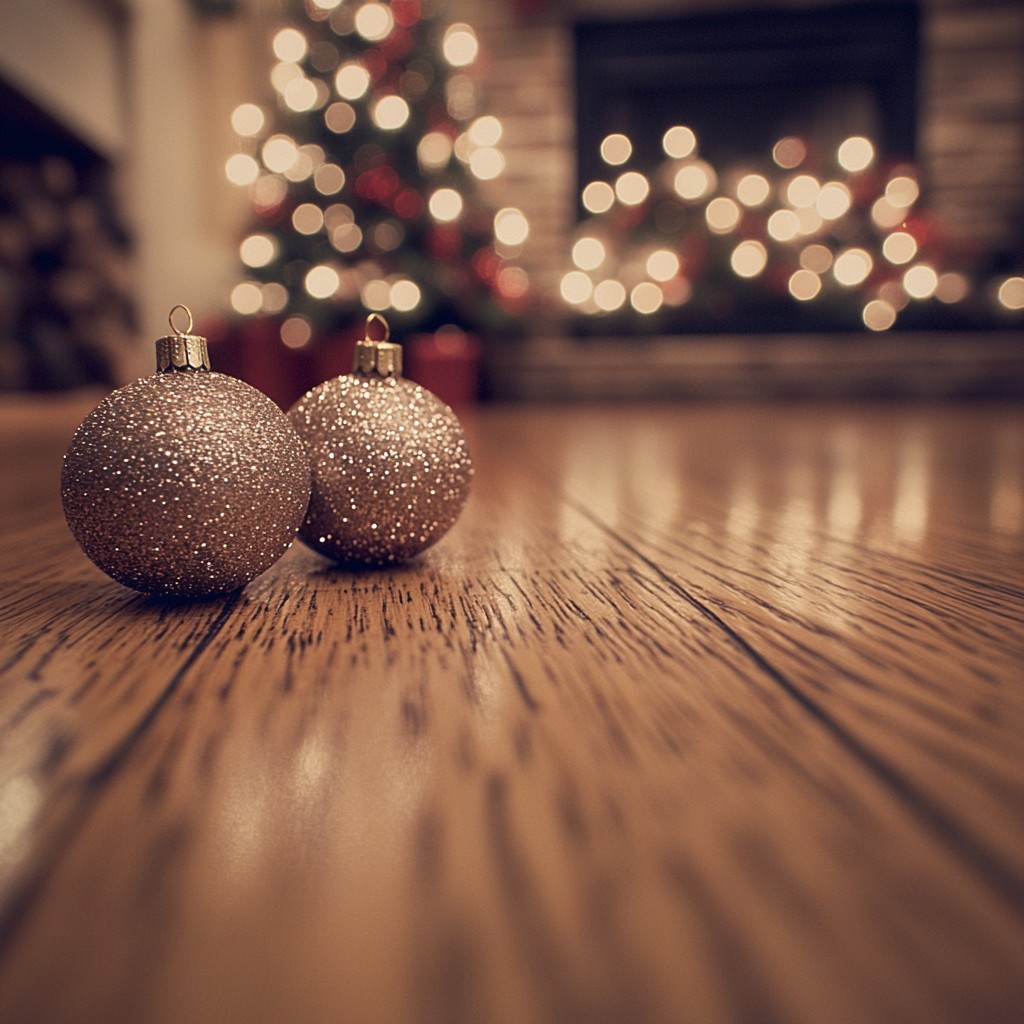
[391,467]
[185,483]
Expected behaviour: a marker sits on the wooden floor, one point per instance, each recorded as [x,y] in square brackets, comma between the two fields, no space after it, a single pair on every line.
[709,714]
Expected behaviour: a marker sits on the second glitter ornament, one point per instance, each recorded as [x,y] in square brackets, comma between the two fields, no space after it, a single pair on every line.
[391,465]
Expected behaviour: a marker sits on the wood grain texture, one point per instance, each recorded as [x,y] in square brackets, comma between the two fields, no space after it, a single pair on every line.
[699,714]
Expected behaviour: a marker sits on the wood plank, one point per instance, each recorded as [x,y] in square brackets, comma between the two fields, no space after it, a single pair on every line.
[657,734]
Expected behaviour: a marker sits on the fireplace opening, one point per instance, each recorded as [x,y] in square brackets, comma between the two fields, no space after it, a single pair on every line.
[741,83]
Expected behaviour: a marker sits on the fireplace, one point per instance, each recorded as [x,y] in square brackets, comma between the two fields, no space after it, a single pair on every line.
[737,89]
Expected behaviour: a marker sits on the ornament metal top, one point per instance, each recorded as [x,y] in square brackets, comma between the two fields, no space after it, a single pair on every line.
[391,465]
[188,482]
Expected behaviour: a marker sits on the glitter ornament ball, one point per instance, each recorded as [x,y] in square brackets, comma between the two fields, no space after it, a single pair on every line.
[187,483]
[391,466]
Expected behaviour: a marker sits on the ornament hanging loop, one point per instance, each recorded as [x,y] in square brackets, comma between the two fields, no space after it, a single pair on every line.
[182,350]
[377,357]
[376,318]
[187,312]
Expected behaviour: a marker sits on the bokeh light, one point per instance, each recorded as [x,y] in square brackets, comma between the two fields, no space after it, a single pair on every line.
[296,332]
[920,281]
[609,295]
[246,298]
[879,315]
[257,250]
[247,119]
[646,298]
[405,295]
[902,192]
[279,153]
[789,152]
[804,285]
[389,113]
[749,258]
[374,21]
[289,45]
[322,281]
[616,149]
[855,154]
[351,81]
[632,188]
[434,151]
[598,197]
[307,218]
[485,131]
[899,247]
[833,200]
[679,142]
[803,191]
[753,189]
[588,253]
[487,163]
[241,169]
[722,215]
[340,117]
[1011,293]
[460,46]
[852,266]
[783,225]
[510,226]
[694,180]
[445,205]
[662,265]
[576,287]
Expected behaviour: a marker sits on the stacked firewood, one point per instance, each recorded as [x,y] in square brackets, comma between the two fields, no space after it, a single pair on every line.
[66,313]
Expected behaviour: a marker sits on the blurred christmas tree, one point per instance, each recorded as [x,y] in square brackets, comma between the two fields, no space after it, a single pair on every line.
[364,179]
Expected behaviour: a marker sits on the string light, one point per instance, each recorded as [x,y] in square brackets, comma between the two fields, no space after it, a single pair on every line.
[257,250]
[753,189]
[445,205]
[855,154]
[588,253]
[598,197]
[460,46]
[374,22]
[247,119]
[241,169]
[616,149]
[1011,293]
[749,258]
[632,188]
[351,81]
[852,266]
[920,281]
[662,265]
[510,226]
[289,45]
[679,142]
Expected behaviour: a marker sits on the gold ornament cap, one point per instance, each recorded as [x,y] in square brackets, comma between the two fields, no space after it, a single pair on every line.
[377,357]
[181,351]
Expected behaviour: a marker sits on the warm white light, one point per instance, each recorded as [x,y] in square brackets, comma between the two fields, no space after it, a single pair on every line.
[631,188]
[307,218]
[328,179]
[445,204]
[241,169]
[616,149]
[510,226]
[247,119]
[339,117]
[1011,293]
[598,197]
[326,5]
[322,281]
[816,258]
[646,298]
[893,293]
[281,75]
[485,131]
[899,247]
[885,215]
[920,281]
[390,113]
[460,46]
[694,180]
[279,153]
[374,22]
[346,238]
[722,215]
[878,315]
[351,81]
[677,292]
[753,189]
[269,192]
[749,258]
[486,164]
[902,192]
[588,253]
[833,200]
[783,225]
[302,168]
[609,295]
[246,298]
[434,151]
[804,285]
[953,287]
[257,250]
[405,296]
[300,95]
[803,191]
[852,267]
[289,45]
[296,332]
[513,282]
[375,294]
[576,287]
[855,153]
[679,142]
[275,297]
[337,214]
[662,265]
[789,152]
